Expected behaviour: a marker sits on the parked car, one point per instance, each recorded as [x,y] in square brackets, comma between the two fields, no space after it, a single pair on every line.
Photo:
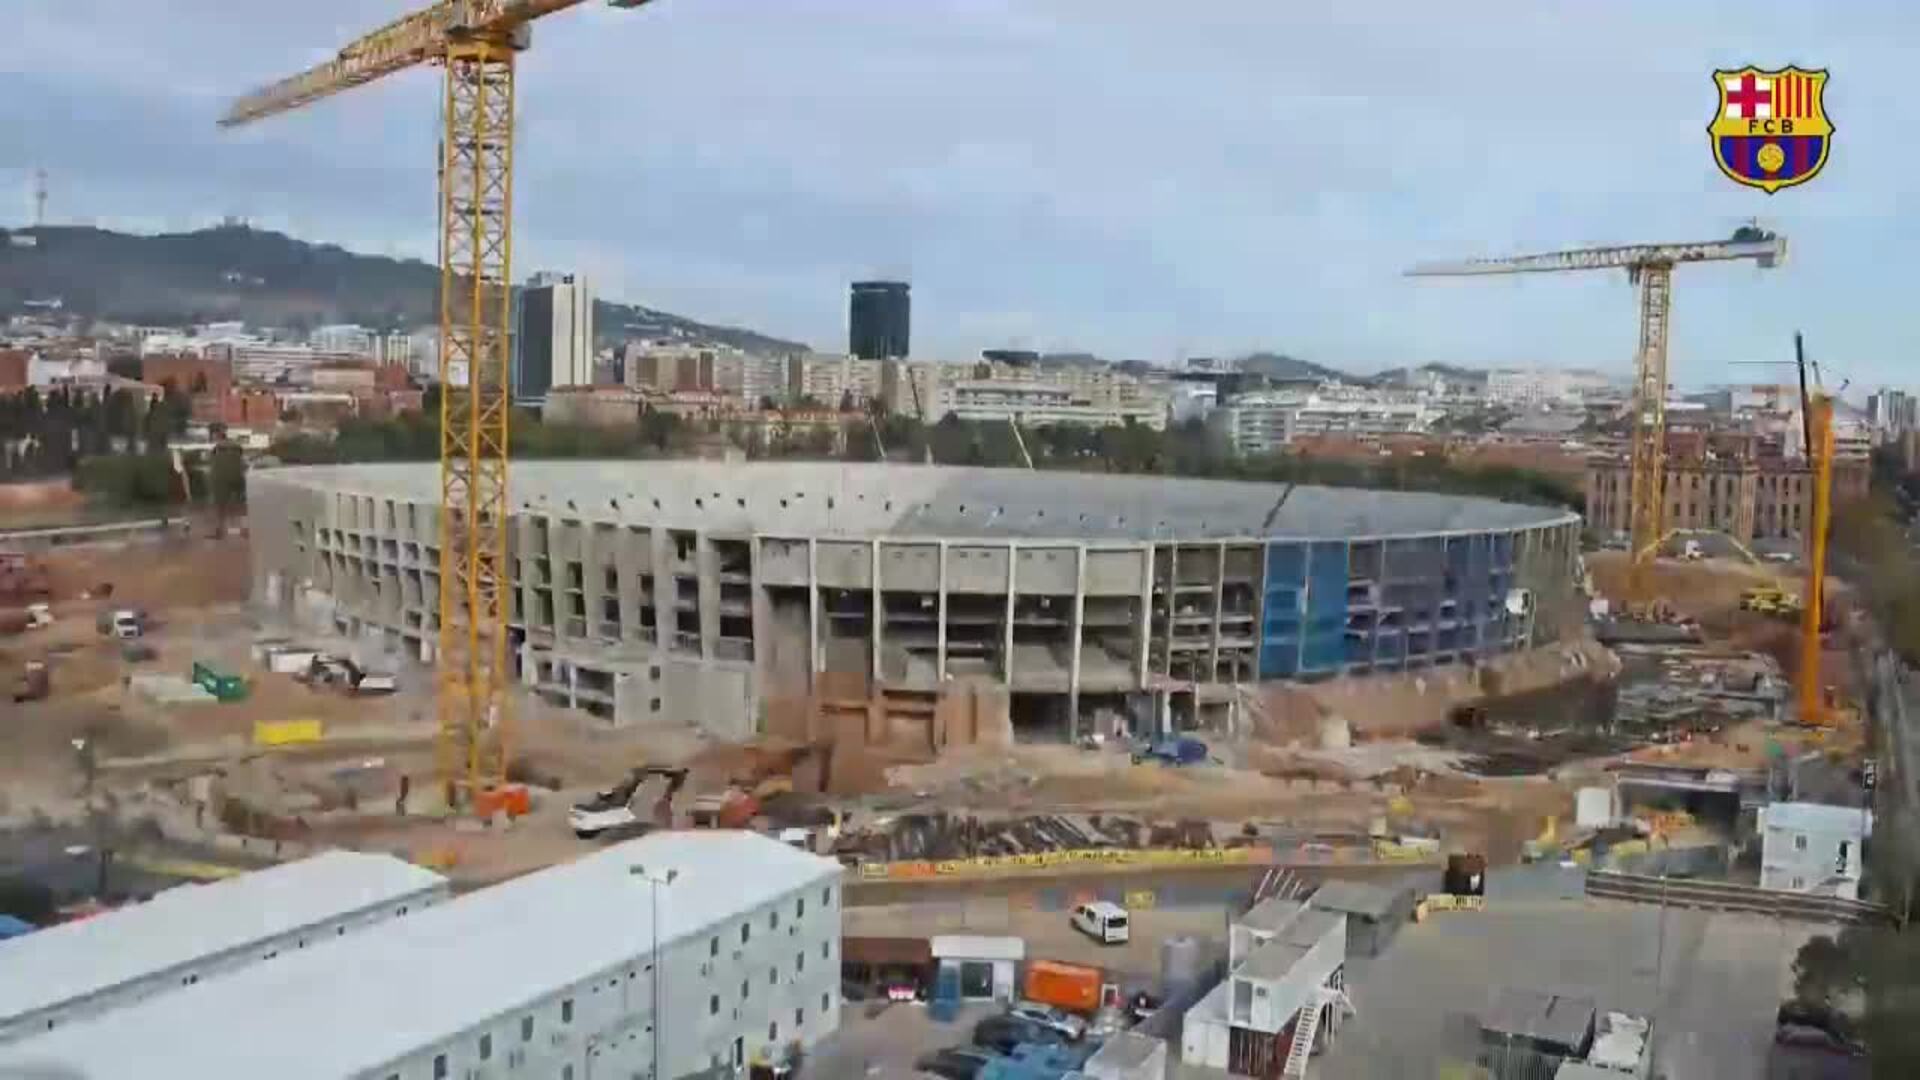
[1060,1021]
[1101,920]
[1002,1033]
[956,1063]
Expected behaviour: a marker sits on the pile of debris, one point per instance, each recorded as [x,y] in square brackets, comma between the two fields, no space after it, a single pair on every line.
[948,836]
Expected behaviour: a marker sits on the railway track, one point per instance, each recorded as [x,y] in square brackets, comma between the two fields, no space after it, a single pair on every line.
[1728,896]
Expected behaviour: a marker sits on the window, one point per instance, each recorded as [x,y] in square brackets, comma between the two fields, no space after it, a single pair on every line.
[823,950]
[773,976]
[745,990]
[653,705]
[713,1005]
[746,931]
[773,1031]
[799,961]
[1799,843]
[486,1046]
[823,1003]
[826,896]
[799,1017]
[439,1067]
[566,1072]
[526,1029]
[713,946]
[800,908]
[773,920]
[566,1011]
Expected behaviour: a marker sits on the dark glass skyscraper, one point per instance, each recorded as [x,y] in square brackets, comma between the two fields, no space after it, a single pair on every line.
[879,320]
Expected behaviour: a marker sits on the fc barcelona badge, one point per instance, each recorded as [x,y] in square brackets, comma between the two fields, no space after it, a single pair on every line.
[1770,129]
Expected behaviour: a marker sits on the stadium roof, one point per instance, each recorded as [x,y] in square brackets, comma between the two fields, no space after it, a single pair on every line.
[829,498]
[75,960]
[362,1001]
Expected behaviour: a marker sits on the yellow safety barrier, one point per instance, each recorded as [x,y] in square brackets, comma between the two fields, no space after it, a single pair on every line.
[1141,899]
[1047,860]
[1454,902]
[286,732]
[190,869]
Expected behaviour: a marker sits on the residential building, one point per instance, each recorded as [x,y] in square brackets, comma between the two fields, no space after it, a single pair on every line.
[1265,422]
[68,973]
[1038,403]
[553,343]
[270,362]
[657,957]
[1891,412]
[190,373]
[912,387]
[396,348]
[1813,848]
[833,380]
[879,320]
[350,338]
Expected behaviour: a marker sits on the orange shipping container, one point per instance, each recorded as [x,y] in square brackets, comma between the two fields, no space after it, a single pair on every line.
[1069,986]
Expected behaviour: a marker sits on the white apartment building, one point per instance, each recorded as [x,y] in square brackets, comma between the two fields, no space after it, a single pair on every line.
[1263,423]
[269,362]
[1038,403]
[655,958]
[343,338]
[831,378]
[69,973]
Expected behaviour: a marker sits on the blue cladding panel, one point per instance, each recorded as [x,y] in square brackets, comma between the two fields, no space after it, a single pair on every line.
[1324,647]
[1281,615]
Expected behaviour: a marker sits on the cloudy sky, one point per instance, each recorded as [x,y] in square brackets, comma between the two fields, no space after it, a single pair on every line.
[1140,179]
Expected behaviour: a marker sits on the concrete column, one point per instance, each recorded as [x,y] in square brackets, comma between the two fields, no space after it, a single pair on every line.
[1013,573]
[940,630]
[761,610]
[707,581]
[1380,583]
[1074,629]
[1145,651]
[630,558]
[592,586]
[813,610]
[877,607]
[1219,598]
[659,552]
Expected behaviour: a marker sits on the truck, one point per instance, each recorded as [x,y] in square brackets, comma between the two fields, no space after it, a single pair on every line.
[1179,750]
[122,622]
[1074,987]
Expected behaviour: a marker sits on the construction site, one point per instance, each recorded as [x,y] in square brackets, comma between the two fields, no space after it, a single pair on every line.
[981,712]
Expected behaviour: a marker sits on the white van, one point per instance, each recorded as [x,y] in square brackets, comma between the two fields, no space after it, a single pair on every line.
[1104,922]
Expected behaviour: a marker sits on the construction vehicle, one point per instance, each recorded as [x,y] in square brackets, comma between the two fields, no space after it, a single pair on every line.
[610,813]
[341,673]
[1770,600]
[122,623]
[223,686]
[1651,267]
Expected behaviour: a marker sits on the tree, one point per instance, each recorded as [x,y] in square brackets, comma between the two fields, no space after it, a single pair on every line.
[227,479]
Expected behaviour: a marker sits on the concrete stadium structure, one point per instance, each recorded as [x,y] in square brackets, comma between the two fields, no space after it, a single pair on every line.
[670,590]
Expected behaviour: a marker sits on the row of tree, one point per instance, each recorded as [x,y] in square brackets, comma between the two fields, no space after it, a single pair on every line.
[49,434]
[1188,449]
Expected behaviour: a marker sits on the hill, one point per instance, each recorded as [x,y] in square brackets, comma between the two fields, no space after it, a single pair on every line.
[267,279]
[1283,368]
[1402,376]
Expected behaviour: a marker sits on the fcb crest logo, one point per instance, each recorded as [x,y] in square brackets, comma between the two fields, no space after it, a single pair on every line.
[1770,129]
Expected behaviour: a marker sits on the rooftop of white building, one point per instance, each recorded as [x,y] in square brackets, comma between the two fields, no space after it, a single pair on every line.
[369,998]
[78,959]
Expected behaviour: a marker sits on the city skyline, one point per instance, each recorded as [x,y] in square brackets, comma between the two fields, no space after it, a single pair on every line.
[1140,217]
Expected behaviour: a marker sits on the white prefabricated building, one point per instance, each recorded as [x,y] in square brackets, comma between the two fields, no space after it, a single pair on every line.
[554,975]
[76,970]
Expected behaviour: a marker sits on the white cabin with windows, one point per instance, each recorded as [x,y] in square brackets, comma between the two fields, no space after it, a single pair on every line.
[555,976]
[72,971]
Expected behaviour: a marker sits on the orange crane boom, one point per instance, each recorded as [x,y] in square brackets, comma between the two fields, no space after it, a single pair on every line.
[476,41]
[1650,266]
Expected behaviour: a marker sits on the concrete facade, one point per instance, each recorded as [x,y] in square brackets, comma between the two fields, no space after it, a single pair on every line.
[645,592]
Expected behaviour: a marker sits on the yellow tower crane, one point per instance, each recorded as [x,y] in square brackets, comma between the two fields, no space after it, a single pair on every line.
[1651,267]
[476,41]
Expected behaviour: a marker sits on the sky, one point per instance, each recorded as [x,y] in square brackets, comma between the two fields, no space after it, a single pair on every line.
[1139,180]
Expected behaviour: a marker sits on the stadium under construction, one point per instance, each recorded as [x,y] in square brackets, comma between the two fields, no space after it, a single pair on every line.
[981,602]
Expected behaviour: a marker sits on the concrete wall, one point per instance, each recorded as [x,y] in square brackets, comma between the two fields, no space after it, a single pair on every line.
[694,601]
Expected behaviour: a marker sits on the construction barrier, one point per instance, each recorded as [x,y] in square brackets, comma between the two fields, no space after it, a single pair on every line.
[1141,899]
[1050,860]
[286,732]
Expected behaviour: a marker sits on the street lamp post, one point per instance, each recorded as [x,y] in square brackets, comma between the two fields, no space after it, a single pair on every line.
[654,881]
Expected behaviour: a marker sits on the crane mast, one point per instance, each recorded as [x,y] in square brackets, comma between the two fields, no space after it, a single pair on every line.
[1650,267]
[476,42]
